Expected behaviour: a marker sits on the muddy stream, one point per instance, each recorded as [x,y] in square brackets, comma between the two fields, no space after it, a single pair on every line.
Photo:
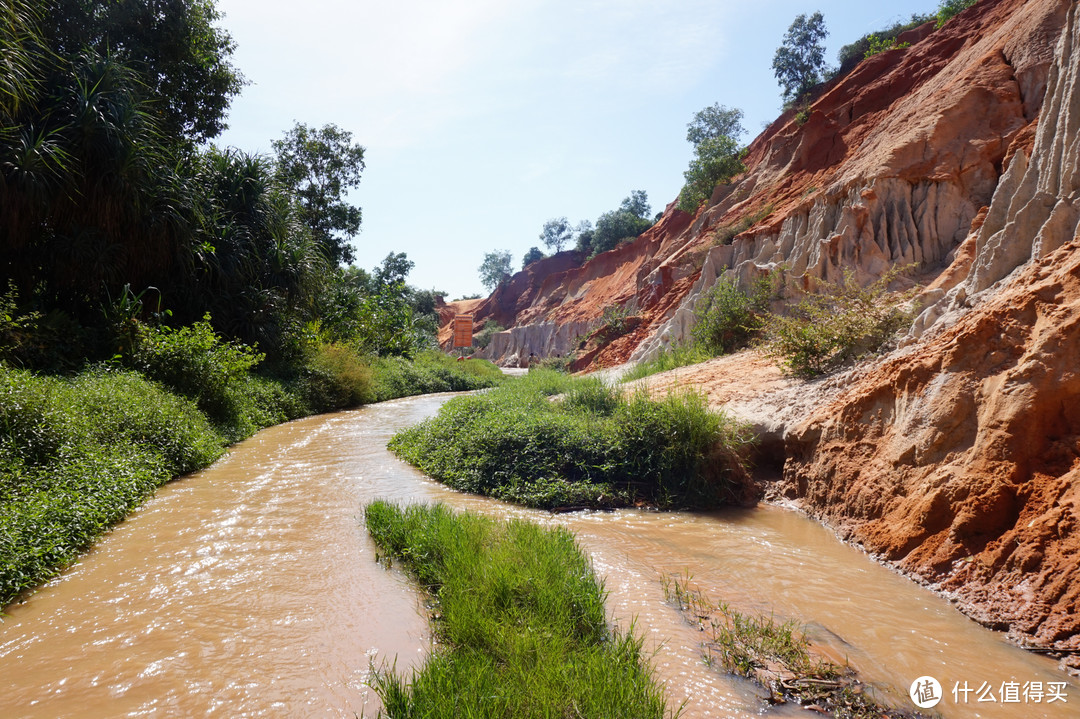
[251,589]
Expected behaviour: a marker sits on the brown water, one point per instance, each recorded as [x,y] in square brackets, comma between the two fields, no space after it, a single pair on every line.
[250,589]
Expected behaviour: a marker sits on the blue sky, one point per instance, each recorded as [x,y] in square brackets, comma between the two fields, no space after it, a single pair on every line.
[482,119]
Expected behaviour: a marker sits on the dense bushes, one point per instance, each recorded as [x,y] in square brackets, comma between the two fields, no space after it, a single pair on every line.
[520,620]
[593,448]
[76,455]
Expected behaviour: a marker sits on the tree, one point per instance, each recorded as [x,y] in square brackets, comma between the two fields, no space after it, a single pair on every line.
[495,269]
[618,226]
[556,233]
[320,166]
[799,64]
[531,256]
[714,121]
[637,204]
[716,160]
[174,45]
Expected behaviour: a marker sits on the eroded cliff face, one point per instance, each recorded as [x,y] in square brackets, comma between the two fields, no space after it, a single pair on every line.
[893,164]
[958,458]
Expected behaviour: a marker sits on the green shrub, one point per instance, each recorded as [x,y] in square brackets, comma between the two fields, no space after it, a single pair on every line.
[948,9]
[516,443]
[195,362]
[840,323]
[483,337]
[520,620]
[726,233]
[878,45]
[77,455]
[343,378]
[431,371]
[728,318]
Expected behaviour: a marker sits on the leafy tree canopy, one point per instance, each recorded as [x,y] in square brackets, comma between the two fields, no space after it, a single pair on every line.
[320,166]
[174,45]
[713,122]
[495,269]
[531,256]
[616,227]
[799,64]
[556,233]
[636,204]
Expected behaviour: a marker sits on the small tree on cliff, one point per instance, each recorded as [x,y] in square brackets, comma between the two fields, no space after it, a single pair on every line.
[531,256]
[557,232]
[799,63]
[714,132]
[495,269]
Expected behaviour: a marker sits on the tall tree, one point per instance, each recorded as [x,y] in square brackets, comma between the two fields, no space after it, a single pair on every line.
[636,204]
[495,269]
[799,63]
[556,233]
[714,121]
[320,166]
[174,45]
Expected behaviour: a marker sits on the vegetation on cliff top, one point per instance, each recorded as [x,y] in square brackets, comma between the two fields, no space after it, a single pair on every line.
[519,617]
[590,447]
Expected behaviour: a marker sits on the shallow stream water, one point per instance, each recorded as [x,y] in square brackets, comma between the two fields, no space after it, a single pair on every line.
[251,589]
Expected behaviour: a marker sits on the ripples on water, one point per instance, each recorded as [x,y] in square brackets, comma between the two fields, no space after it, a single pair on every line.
[250,589]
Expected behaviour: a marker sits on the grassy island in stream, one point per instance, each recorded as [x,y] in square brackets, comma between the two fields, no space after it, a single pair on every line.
[592,446]
[520,622]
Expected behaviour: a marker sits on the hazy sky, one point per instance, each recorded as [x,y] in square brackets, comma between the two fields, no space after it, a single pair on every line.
[481,119]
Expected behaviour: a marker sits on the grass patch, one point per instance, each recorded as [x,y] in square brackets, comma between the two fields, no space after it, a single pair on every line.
[519,617]
[679,355]
[776,655]
[431,372]
[594,448]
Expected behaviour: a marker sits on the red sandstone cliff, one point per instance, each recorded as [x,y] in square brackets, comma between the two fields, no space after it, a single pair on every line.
[957,458]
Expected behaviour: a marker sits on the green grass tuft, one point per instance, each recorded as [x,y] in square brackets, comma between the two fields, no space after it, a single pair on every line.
[520,620]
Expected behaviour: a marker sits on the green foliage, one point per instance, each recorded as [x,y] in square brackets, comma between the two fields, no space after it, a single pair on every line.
[515,443]
[320,166]
[181,55]
[531,256]
[725,234]
[195,362]
[556,233]
[838,324]
[76,455]
[520,620]
[668,358]
[728,318]
[636,204]
[483,337]
[881,40]
[495,269]
[431,371]
[716,161]
[345,379]
[713,122]
[881,44]
[799,63]
[948,9]
[615,227]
